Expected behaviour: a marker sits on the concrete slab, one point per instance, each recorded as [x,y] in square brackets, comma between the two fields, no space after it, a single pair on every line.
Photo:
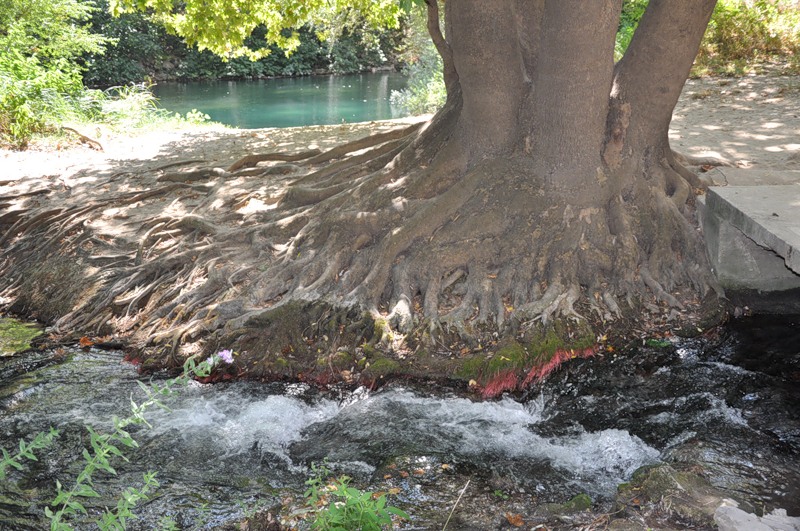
[768,215]
[749,273]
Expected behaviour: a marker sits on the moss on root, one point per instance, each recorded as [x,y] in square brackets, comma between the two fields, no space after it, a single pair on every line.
[381,368]
[516,363]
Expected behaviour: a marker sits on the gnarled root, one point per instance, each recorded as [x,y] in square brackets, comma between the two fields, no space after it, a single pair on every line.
[385,241]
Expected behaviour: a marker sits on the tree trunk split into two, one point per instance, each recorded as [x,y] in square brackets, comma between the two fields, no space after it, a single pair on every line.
[543,193]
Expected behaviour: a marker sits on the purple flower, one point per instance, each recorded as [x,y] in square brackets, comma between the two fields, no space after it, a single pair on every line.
[226,355]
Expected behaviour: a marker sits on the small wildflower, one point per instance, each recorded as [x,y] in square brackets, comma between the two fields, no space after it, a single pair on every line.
[226,355]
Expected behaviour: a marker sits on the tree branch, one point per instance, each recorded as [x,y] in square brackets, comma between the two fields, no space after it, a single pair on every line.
[651,74]
[435,31]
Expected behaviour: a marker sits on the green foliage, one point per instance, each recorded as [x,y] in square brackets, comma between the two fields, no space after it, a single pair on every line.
[40,76]
[742,35]
[26,450]
[103,447]
[223,27]
[425,91]
[308,57]
[138,48]
[340,507]
[632,11]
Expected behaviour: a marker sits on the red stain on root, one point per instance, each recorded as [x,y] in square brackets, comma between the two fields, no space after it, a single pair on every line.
[508,380]
[540,372]
[499,384]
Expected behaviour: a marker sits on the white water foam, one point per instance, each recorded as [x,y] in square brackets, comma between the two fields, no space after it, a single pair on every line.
[228,422]
[235,423]
[500,429]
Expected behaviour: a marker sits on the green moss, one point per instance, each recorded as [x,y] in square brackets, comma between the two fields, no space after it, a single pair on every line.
[16,335]
[382,367]
[581,502]
[545,341]
[657,343]
[512,357]
[380,326]
[340,359]
[471,368]
[370,351]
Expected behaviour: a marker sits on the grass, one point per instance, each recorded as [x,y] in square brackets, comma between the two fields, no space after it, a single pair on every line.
[129,109]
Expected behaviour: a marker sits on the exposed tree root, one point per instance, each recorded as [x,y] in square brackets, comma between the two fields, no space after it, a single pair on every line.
[94,144]
[348,250]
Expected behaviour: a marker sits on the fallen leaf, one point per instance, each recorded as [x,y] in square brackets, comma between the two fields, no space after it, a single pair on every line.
[394,491]
[85,342]
[515,519]
[387,476]
[403,474]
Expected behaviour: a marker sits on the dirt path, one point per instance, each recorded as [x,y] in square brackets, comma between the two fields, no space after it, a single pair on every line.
[752,121]
[216,145]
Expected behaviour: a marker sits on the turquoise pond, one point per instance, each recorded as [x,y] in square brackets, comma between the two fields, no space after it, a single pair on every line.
[287,102]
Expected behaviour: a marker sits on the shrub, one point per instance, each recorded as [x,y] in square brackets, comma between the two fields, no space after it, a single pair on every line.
[425,91]
[40,78]
[743,34]
[338,506]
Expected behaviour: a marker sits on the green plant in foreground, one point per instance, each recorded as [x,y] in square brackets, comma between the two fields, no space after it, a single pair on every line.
[40,441]
[104,447]
[340,507]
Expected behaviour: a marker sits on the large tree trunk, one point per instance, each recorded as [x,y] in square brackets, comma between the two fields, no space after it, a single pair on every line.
[543,192]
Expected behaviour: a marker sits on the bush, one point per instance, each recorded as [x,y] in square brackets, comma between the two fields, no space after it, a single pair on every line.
[742,35]
[632,11]
[338,506]
[139,48]
[34,97]
[425,91]
[40,78]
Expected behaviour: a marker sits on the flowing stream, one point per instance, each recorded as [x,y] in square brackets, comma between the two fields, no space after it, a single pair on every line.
[222,449]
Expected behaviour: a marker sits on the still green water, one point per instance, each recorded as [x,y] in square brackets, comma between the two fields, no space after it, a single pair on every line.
[287,102]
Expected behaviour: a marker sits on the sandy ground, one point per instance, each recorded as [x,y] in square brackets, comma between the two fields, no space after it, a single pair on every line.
[753,122]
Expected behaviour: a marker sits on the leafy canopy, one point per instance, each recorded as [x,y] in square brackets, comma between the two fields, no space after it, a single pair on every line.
[222,26]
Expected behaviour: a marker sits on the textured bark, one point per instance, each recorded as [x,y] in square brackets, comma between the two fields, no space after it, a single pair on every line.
[543,192]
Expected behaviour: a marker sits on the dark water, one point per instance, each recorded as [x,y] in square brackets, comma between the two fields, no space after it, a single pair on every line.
[731,407]
[287,102]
